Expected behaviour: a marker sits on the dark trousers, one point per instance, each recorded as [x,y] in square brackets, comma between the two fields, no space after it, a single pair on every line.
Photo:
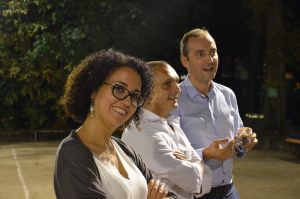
[231,194]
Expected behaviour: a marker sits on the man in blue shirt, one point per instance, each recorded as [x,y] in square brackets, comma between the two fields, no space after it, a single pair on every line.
[209,113]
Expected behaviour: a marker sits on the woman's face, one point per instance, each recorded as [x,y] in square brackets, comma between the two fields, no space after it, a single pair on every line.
[113,112]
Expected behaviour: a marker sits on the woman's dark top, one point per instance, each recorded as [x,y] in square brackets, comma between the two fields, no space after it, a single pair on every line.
[76,174]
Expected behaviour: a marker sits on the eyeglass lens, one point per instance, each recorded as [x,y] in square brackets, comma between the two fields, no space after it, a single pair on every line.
[121,93]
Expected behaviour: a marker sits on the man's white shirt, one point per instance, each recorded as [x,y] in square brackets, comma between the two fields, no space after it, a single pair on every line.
[155,141]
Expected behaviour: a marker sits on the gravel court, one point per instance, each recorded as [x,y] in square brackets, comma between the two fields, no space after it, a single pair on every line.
[36,163]
[261,174]
[265,174]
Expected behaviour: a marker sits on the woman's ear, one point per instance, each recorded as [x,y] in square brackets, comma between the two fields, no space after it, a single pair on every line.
[93,95]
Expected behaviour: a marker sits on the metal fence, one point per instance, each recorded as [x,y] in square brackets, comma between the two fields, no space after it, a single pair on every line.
[37,135]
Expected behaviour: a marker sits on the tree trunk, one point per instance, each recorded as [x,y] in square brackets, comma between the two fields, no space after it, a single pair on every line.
[275,107]
[252,77]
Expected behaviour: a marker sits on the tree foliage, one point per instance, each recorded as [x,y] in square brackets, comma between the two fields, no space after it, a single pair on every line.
[43,40]
[282,42]
[285,39]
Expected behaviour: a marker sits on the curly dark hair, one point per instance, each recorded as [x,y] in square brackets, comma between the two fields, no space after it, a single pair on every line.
[90,75]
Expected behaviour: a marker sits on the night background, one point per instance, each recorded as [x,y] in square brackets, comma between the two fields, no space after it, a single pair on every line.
[258,43]
[42,41]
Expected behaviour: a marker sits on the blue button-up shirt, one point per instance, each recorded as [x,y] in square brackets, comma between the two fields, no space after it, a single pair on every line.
[204,120]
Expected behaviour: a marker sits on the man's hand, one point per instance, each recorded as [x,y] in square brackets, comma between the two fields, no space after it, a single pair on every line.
[180,156]
[248,146]
[203,169]
[156,192]
[215,150]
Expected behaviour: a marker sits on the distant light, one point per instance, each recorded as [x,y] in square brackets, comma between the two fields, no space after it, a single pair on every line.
[182,77]
[289,76]
[254,115]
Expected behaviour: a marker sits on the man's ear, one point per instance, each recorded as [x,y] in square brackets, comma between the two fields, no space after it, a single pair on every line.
[153,98]
[184,61]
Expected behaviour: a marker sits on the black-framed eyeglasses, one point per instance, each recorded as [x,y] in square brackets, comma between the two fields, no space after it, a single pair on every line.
[121,93]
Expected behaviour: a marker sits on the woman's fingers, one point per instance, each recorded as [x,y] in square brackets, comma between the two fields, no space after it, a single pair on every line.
[165,193]
[152,193]
[160,191]
[150,186]
[155,191]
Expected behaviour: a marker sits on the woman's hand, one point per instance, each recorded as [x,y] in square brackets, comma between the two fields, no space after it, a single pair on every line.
[156,192]
[179,155]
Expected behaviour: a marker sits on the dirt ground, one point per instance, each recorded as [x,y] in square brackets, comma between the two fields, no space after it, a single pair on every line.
[26,171]
[264,174]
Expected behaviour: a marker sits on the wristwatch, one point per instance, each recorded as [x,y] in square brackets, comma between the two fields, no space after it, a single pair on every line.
[241,150]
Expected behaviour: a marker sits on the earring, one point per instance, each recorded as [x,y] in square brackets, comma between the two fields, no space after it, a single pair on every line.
[92,108]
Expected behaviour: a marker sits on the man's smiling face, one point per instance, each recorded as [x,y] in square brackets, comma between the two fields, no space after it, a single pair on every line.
[202,61]
[167,90]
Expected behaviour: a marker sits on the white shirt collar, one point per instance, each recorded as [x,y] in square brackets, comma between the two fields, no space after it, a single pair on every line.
[150,116]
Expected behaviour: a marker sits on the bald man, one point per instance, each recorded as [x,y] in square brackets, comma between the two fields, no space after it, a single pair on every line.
[163,145]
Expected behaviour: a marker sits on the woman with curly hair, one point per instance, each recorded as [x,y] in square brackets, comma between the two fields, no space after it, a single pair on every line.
[105,92]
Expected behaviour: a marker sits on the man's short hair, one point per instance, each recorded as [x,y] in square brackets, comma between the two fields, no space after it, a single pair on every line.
[157,63]
[193,33]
